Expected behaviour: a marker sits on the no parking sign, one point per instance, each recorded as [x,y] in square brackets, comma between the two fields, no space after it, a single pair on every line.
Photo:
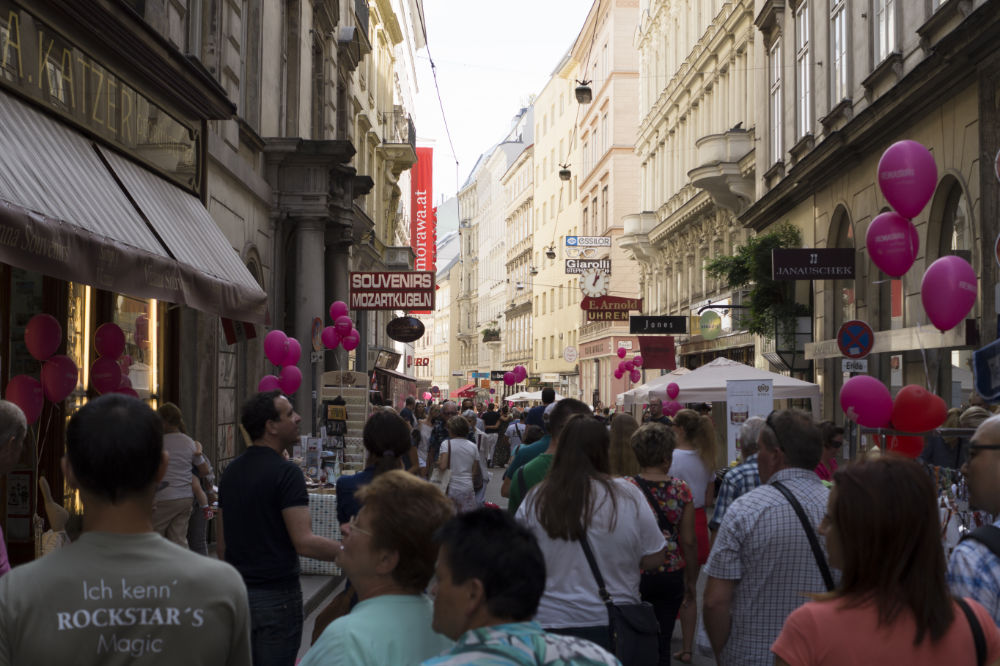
[855,339]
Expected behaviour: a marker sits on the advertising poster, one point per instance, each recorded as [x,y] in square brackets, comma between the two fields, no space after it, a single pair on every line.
[745,398]
[423,224]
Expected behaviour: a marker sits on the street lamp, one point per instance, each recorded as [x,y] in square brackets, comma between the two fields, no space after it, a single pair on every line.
[584,95]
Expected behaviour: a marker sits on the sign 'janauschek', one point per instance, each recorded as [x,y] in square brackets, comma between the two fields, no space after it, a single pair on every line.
[392,290]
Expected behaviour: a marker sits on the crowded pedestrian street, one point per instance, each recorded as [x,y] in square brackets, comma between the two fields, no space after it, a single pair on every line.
[422,332]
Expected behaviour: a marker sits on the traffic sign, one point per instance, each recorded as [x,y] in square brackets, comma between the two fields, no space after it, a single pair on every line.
[855,339]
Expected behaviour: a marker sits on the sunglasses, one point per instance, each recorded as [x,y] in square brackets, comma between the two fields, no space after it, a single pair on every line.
[578,253]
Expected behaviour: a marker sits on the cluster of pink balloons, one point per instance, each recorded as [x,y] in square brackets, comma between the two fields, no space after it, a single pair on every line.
[109,373]
[42,337]
[672,407]
[907,176]
[342,332]
[868,402]
[515,376]
[631,367]
[284,352]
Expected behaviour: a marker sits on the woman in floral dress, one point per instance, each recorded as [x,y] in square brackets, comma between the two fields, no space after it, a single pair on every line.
[672,584]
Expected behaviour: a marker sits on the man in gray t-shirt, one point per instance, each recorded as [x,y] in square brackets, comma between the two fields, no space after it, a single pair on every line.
[121,593]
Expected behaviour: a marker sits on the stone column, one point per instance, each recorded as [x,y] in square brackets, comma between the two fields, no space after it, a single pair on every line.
[309,303]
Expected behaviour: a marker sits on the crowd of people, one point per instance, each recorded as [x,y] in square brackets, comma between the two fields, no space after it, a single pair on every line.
[608,526]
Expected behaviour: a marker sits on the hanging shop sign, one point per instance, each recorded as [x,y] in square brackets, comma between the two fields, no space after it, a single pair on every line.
[570,354]
[606,303]
[658,352]
[577,266]
[392,290]
[405,329]
[588,241]
[644,324]
[496,375]
[831,263]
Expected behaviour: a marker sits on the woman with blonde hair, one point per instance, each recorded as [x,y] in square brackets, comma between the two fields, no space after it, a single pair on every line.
[621,456]
[694,463]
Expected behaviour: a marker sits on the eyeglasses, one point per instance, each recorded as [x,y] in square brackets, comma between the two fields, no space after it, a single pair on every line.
[774,430]
[353,524]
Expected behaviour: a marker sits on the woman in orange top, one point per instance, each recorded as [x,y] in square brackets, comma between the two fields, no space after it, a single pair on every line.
[893,603]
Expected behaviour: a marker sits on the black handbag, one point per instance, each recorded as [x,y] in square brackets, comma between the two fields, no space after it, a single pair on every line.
[634,629]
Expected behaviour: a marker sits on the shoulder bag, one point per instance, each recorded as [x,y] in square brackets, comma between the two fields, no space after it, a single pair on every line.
[634,629]
[441,478]
[661,518]
[824,568]
[978,637]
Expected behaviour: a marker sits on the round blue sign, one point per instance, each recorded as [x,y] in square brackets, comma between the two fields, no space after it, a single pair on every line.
[855,339]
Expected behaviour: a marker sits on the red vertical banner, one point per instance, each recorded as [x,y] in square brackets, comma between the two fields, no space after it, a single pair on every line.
[423,225]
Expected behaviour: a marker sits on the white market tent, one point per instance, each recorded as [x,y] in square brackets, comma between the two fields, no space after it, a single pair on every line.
[524,396]
[640,394]
[708,384]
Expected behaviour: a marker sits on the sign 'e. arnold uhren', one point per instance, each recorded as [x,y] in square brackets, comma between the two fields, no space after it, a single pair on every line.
[813,264]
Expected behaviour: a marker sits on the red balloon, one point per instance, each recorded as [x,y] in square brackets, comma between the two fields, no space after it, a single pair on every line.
[290,379]
[27,393]
[59,375]
[105,375]
[42,336]
[109,340]
[906,445]
[916,409]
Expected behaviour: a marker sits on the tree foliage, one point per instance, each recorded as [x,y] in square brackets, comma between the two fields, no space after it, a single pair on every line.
[772,302]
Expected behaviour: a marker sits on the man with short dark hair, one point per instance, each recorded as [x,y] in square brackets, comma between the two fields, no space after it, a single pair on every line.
[407,411]
[121,593]
[533,472]
[656,414]
[490,577]
[536,414]
[762,566]
[13,427]
[264,526]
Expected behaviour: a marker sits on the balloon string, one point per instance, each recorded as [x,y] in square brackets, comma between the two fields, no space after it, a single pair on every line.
[881,281]
[923,355]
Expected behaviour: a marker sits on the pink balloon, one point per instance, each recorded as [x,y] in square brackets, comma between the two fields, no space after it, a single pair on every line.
[109,340]
[522,372]
[59,375]
[635,375]
[907,176]
[672,390]
[427,395]
[105,375]
[330,337]
[290,379]
[267,383]
[26,392]
[276,346]
[637,360]
[338,309]
[294,352]
[892,243]
[42,336]
[351,342]
[866,401]
[621,352]
[343,325]
[948,291]
[127,390]
[508,379]
[628,366]
[619,373]
[672,407]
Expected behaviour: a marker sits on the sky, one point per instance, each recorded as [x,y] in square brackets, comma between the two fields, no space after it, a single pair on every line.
[489,57]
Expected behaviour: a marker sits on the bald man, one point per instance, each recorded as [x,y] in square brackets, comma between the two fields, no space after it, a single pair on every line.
[974,568]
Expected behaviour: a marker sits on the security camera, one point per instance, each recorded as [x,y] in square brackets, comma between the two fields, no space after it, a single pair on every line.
[551,253]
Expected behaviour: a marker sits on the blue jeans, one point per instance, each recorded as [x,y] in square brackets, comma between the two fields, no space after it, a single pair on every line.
[275,624]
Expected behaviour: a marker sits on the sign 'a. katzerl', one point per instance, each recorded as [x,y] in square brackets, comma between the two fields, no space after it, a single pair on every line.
[392,290]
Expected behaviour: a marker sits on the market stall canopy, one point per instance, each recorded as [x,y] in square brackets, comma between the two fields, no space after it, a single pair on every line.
[527,397]
[708,384]
[640,394]
[467,391]
[77,211]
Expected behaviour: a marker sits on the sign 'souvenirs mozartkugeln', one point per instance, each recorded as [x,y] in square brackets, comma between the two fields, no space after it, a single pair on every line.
[392,290]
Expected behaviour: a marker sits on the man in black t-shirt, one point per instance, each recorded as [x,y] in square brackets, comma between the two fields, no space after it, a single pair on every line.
[264,525]
[656,414]
[407,412]
[491,421]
